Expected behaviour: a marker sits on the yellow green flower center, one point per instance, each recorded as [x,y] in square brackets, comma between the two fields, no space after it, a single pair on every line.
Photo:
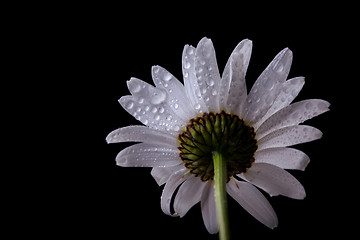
[221,132]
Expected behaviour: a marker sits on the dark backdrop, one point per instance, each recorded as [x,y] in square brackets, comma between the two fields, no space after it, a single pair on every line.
[90,52]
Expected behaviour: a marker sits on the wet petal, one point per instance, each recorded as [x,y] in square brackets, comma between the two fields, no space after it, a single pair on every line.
[141,134]
[253,201]
[286,158]
[208,209]
[274,181]
[289,90]
[148,155]
[158,115]
[188,195]
[289,136]
[267,87]
[190,81]
[207,74]
[176,97]
[233,90]
[292,115]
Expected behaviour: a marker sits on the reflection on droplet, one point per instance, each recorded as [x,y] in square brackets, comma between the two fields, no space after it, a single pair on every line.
[167,76]
[269,84]
[129,105]
[197,106]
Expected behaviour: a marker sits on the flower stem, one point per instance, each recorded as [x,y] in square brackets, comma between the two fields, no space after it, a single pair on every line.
[220,177]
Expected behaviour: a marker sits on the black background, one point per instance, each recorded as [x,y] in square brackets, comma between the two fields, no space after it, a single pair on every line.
[88,52]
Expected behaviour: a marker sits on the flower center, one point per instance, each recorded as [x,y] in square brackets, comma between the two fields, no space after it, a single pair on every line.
[221,132]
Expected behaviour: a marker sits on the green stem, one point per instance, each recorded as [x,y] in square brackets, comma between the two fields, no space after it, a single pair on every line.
[220,177]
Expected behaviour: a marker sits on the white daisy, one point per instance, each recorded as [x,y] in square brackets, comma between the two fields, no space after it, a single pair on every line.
[214,117]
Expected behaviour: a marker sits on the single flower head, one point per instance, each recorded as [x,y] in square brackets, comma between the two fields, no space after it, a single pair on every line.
[186,124]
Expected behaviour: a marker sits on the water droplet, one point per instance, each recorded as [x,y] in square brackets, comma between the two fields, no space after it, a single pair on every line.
[145,121]
[190,51]
[134,87]
[207,99]
[278,67]
[129,105]
[157,117]
[147,108]
[269,83]
[187,65]
[214,92]
[141,100]
[167,76]
[197,106]
[169,118]
[157,96]
[176,106]
[176,128]
[161,110]
[210,82]
[154,110]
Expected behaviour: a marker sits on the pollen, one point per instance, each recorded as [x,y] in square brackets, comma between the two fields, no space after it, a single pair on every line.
[221,132]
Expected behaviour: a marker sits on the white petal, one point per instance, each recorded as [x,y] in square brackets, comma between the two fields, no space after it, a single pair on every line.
[148,155]
[267,87]
[141,134]
[208,209]
[286,158]
[176,97]
[158,116]
[292,115]
[171,185]
[190,81]
[188,195]
[289,90]
[274,180]
[207,74]
[162,174]
[253,201]
[289,136]
[232,90]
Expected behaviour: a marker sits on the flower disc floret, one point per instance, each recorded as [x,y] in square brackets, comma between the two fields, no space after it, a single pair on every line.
[222,132]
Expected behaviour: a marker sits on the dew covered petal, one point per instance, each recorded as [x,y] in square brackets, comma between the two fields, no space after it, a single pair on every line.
[293,114]
[176,97]
[253,201]
[148,155]
[141,134]
[286,158]
[289,136]
[289,90]
[207,74]
[155,115]
[267,87]
[190,81]
[274,180]
[233,90]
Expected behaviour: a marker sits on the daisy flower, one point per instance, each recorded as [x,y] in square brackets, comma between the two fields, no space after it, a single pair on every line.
[208,136]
